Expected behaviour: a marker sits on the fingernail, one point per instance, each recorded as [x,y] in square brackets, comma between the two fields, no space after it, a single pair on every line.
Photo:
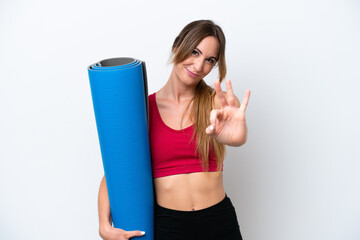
[211,128]
[142,233]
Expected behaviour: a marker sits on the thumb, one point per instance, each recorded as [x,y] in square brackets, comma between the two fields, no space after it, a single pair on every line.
[214,120]
[131,234]
[215,115]
[209,130]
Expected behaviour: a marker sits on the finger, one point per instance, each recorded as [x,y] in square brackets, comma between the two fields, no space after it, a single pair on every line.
[245,100]
[215,115]
[209,130]
[220,95]
[230,93]
[131,234]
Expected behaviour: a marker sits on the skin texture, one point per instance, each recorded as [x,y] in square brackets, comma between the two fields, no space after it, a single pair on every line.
[193,191]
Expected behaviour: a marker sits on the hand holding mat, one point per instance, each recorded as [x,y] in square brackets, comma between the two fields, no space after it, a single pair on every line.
[119,94]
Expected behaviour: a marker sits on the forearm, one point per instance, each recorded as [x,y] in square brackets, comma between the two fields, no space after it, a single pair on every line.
[106,230]
[104,206]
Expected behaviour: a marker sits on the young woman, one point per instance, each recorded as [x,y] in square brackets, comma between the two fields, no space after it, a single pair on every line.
[190,123]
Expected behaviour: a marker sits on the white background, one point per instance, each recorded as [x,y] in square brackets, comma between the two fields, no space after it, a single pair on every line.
[296,178]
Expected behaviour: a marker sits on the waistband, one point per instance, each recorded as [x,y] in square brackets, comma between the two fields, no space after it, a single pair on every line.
[223,204]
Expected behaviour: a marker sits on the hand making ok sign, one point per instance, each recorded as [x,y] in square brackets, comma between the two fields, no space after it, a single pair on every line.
[228,124]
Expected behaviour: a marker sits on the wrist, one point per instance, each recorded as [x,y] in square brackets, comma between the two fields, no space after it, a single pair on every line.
[104,228]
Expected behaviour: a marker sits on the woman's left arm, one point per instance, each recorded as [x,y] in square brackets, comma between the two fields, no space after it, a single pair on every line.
[228,123]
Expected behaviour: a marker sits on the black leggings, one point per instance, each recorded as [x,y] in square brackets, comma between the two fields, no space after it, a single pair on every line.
[216,222]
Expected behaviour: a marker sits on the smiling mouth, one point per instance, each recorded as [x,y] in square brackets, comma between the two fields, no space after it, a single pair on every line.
[191,74]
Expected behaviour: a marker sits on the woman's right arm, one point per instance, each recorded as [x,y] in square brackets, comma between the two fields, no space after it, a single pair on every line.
[106,231]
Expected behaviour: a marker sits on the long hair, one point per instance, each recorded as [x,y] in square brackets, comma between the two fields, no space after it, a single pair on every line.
[202,102]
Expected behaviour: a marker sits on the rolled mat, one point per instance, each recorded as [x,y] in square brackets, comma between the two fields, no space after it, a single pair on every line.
[120,99]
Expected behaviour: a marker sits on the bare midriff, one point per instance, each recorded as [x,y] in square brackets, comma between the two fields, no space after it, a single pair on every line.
[191,191]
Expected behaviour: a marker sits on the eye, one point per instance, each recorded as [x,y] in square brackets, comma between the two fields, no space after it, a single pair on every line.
[195,53]
[211,61]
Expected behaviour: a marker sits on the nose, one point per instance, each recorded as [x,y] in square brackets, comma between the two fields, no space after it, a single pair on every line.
[198,64]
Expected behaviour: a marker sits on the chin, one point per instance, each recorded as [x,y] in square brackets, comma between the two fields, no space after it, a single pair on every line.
[185,79]
[189,80]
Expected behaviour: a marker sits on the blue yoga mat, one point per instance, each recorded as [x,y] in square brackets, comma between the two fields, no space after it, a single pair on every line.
[120,99]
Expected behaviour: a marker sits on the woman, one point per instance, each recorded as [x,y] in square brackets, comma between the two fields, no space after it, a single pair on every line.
[189,125]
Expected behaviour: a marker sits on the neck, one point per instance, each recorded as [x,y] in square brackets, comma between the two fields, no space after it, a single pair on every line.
[177,91]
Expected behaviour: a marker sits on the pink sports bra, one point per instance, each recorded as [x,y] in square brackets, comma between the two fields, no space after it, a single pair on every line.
[171,150]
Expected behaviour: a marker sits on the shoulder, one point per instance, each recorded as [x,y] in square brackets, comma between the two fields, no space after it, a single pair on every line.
[217,104]
[151,96]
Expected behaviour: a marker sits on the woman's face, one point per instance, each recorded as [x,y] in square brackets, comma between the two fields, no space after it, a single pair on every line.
[199,63]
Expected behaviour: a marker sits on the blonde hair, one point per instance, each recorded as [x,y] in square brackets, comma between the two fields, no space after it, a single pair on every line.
[182,48]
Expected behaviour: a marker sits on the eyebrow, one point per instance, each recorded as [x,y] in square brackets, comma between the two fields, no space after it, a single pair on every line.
[209,57]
